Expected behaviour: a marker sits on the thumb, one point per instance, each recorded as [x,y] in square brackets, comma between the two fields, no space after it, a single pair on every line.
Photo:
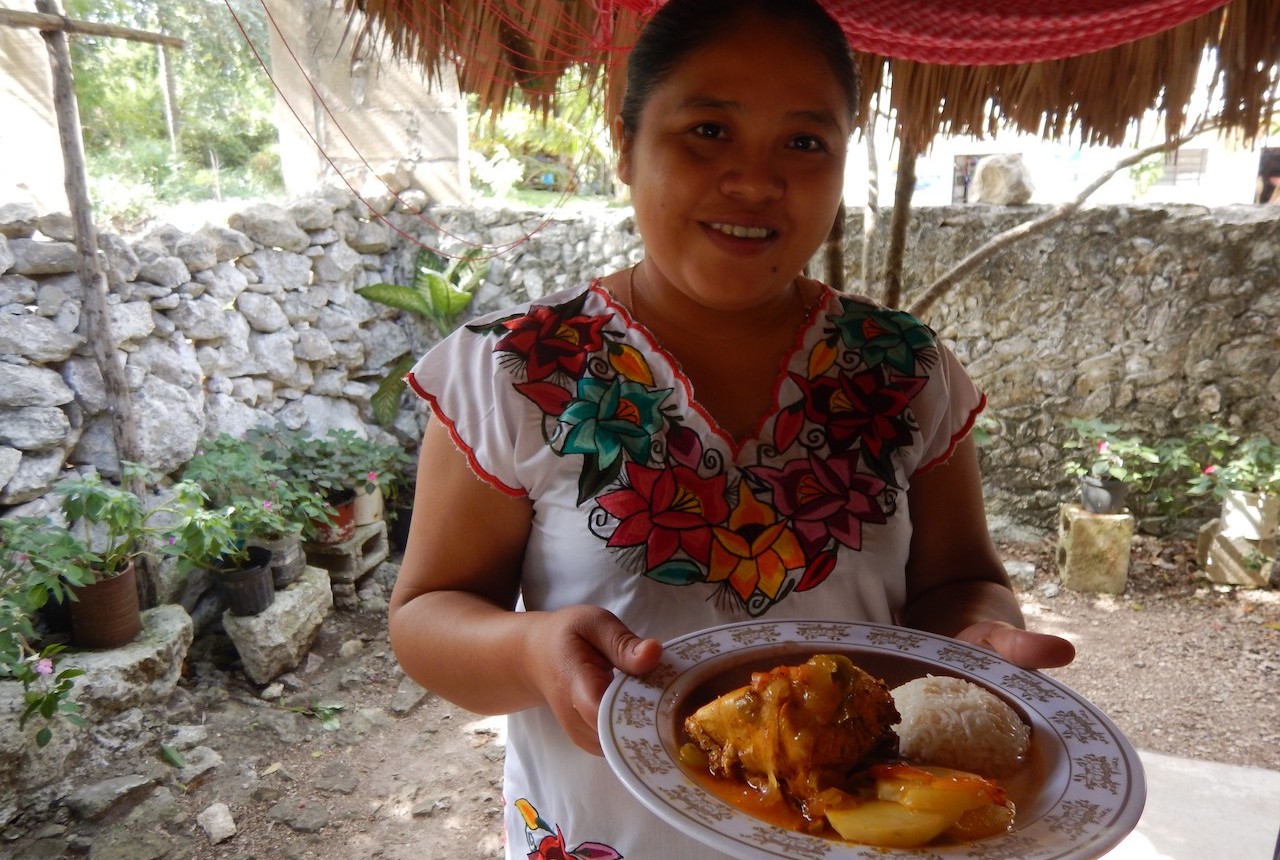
[635,655]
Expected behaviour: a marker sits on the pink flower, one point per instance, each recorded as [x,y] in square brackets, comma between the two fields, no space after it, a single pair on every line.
[267,504]
[1210,469]
[1103,446]
[44,666]
[373,477]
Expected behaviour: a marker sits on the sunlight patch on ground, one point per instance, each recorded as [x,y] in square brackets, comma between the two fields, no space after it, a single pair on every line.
[492,728]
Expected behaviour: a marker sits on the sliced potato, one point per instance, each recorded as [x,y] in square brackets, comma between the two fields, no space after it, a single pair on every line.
[887,824]
[988,820]
[935,789]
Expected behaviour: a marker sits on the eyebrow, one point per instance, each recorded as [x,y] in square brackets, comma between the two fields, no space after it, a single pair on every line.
[817,115]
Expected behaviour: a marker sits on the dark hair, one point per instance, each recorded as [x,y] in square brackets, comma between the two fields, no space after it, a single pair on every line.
[680,27]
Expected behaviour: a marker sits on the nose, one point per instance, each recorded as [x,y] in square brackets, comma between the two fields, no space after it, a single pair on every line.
[753,178]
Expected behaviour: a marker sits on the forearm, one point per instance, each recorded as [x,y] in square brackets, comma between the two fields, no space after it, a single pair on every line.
[949,607]
[466,649]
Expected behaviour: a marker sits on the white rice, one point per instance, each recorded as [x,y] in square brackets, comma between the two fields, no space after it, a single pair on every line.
[951,722]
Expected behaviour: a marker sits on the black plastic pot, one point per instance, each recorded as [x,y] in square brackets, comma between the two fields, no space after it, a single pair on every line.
[249,589]
[1102,495]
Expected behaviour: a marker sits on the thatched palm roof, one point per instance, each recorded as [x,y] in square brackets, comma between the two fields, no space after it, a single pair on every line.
[1097,97]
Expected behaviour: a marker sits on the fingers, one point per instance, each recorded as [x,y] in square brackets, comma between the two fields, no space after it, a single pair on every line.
[591,644]
[1020,647]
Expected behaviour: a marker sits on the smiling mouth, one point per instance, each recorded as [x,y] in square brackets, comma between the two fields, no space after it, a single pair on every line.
[737,231]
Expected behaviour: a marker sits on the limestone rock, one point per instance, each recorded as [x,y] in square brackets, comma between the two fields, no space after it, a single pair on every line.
[276,640]
[1002,179]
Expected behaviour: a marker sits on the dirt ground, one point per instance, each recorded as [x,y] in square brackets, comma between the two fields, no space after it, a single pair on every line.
[1182,667]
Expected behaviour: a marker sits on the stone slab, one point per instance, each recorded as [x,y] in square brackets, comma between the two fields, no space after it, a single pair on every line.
[1093,550]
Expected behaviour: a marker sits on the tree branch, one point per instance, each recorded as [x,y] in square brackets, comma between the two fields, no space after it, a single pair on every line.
[1001,241]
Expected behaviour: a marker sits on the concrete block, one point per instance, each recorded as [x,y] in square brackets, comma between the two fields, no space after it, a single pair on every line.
[347,562]
[1236,561]
[1093,550]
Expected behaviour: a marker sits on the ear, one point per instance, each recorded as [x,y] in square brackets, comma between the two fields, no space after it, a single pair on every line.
[622,142]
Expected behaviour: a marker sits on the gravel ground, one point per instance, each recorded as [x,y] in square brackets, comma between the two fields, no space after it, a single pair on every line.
[1182,667]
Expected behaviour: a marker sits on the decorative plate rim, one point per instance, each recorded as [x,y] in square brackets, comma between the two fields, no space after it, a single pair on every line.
[1101,794]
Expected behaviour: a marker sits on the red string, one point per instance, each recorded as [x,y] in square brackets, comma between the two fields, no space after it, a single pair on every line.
[491,250]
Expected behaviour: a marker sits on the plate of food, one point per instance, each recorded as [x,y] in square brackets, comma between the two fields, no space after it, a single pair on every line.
[848,741]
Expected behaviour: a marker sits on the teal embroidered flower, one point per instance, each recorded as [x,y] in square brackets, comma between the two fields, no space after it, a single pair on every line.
[886,337]
[611,416]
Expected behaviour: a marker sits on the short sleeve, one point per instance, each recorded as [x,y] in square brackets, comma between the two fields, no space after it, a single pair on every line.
[946,409]
[468,391]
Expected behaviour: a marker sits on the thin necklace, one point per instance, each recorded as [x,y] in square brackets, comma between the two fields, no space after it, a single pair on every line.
[633,303]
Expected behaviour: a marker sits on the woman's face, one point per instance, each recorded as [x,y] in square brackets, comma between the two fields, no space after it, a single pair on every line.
[736,165]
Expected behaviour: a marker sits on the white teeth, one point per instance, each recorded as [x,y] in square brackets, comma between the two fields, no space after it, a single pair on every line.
[740,232]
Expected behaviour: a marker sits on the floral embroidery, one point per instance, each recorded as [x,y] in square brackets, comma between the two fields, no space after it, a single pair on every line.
[684,515]
[552,845]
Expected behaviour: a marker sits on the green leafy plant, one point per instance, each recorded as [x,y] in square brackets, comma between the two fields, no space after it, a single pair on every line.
[99,531]
[1249,465]
[1098,451]
[240,474]
[326,713]
[37,563]
[210,537]
[441,290]
[112,524]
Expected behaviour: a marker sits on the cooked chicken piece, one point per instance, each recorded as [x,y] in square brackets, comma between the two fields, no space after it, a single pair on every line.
[803,728]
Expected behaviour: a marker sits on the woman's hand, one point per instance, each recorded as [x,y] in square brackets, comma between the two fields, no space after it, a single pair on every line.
[572,654]
[1020,647]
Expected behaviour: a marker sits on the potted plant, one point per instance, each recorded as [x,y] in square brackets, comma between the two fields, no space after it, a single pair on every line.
[377,467]
[217,539]
[114,527]
[1247,483]
[237,473]
[1106,464]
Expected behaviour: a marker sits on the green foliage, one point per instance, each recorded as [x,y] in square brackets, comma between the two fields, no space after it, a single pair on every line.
[1100,452]
[1249,465]
[441,290]
[223,104]
[239,474]
[524,145]
[326,713]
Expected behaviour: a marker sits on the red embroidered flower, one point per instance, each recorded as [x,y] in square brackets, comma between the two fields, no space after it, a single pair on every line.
[864,407]
[667,510]
[549,342]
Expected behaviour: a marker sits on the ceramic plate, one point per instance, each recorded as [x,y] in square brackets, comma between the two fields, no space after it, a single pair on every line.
[1079,793]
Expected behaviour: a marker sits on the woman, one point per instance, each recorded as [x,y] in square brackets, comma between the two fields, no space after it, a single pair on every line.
[705,437]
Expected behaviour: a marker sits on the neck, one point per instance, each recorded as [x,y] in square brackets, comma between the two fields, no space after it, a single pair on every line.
[666,311]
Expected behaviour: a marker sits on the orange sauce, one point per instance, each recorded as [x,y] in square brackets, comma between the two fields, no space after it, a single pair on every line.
[774,808]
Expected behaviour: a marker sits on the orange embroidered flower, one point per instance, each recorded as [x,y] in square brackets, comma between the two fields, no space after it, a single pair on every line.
[755,552]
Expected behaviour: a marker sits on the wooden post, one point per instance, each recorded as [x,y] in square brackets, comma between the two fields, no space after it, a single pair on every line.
[871,213]
[903,193]
[834,252]
[97,320]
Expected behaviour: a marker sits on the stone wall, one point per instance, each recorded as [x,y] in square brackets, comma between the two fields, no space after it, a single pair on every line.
[1155,317]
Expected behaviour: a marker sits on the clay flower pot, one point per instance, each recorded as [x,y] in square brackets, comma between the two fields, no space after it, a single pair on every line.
[106,613]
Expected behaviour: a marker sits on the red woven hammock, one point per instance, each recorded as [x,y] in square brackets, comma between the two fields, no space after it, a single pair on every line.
[995,32]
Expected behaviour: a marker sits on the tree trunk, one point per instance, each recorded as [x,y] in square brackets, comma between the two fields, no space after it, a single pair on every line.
[97,321]
[903,192]
[871,213]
